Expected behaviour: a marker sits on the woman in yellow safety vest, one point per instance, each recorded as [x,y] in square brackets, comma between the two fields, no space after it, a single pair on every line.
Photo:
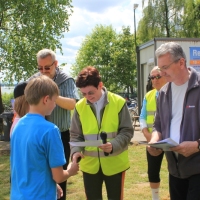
[100,116]
[146,124]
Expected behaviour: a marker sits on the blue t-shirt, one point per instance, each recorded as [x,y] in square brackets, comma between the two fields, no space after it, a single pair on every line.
[36,147]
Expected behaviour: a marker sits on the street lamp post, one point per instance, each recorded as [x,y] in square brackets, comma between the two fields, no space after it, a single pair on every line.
[134,8]
[138,70]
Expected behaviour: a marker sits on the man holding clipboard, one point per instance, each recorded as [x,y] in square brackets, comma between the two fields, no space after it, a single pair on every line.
[177,117]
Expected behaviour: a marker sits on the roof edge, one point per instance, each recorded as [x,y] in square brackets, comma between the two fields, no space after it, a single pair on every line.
[151,42]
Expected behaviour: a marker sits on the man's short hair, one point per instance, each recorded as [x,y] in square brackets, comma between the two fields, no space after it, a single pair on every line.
[88,76]
[40,87]
[173,48]
[46,52]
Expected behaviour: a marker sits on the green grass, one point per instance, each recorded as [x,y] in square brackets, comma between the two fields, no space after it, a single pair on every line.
[4,177]
[136,182]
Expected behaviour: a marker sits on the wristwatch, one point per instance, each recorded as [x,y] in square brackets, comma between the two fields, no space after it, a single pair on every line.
[198,144]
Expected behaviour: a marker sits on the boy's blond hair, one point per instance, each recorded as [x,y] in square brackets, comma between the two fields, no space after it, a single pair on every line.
[38,88]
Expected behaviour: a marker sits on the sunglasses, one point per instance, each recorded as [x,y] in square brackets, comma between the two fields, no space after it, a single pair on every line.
[156,77]
[45,67]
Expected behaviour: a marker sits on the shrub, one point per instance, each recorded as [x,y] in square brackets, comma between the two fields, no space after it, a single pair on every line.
[6,98]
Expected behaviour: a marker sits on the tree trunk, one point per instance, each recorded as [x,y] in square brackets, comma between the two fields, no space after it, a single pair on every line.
[1,111]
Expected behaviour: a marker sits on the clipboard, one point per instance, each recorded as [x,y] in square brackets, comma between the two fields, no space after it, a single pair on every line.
[165,144]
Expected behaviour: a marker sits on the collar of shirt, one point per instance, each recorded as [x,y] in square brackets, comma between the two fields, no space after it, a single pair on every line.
[99,105]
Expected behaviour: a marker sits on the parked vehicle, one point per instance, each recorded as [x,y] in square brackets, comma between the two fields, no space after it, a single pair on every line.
[133,108]
[132,103]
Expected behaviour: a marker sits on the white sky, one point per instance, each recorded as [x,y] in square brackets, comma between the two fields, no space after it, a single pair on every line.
[89,13]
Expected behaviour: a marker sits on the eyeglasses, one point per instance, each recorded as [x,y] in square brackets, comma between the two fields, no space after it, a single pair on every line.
[89,93]
[167,66]
[45,67]
[154,77]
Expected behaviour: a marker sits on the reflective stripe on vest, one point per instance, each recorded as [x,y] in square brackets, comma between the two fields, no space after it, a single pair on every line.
[93,156]
[94,136]
[151,113]
[151,108]
[101,153]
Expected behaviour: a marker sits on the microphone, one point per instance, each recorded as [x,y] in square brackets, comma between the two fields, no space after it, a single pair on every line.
[103,136]
[78,159]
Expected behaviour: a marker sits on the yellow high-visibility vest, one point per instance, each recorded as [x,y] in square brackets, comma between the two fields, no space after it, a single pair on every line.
[151,108]
[93,156]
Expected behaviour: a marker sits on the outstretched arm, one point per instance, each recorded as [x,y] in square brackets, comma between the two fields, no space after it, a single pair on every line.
[60,175]
[66,103]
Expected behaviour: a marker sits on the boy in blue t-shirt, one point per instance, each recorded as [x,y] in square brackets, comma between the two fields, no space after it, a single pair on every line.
[37,154]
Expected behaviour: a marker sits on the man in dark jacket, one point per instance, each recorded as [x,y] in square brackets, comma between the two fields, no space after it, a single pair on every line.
[177,117]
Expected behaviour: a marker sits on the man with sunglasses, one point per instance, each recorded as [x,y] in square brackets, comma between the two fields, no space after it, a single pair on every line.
[146,124]
[178,117]
[68,95]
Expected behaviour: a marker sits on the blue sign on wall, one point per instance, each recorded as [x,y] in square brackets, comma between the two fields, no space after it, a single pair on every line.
[194,55]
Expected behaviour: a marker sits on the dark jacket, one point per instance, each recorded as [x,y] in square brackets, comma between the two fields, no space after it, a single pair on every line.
[181,167]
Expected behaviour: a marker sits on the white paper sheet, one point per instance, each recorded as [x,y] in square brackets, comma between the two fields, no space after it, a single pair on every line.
[94,143]
[165,144]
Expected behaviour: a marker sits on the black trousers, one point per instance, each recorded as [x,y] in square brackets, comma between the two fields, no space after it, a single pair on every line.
[65,136]
[114,185]
[154,165]
[184,189]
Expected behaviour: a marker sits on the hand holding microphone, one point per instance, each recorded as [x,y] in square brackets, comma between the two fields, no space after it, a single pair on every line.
[78,159]
[103,136]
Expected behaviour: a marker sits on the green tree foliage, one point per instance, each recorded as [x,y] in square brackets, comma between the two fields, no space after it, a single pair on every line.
[96,51]
[148,27]
[191,19]
[26,26]
[112,54]
[6,98]
[161,19]
[170,18]
[124,59]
